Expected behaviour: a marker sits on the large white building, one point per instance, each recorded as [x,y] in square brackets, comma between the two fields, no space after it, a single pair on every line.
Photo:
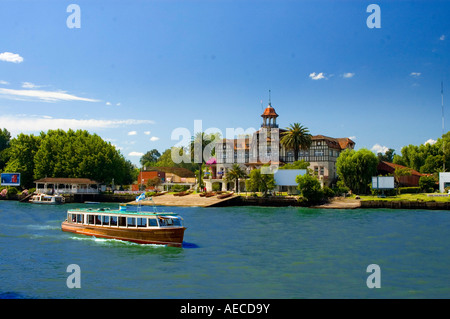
[263,147]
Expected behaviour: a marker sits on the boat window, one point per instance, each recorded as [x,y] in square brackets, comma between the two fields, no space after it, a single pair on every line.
[162,222]
[122,221]
[105,220]
[176,222]
[152,222]
[113,220]
[80,218]
[72,218]
[97,220]
[131,222]
[142,222]
[91,219]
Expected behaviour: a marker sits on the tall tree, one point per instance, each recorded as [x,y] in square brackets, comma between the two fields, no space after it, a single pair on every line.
[258,182]
[5,138]
[234,174]
[150,158]
[22,151]
[296,137]
[356,169]
[202,149]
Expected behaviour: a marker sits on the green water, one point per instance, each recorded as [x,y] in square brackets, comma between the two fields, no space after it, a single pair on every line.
[232,252]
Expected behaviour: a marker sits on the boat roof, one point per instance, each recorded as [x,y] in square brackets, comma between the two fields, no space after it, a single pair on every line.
[118,212]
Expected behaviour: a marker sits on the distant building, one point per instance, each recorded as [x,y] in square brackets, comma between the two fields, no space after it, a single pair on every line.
[386,168]
[61,185]
[256,150]
[169,176]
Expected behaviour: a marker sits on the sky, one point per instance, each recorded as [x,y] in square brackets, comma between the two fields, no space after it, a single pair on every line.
[135,72]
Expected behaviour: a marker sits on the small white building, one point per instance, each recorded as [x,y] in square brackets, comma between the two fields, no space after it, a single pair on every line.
[444,181]
[285,179]
[60,185]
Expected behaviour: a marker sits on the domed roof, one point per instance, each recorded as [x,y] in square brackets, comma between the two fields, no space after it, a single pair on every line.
[269,112]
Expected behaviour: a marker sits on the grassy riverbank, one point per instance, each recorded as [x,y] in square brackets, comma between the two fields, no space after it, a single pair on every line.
[432,197]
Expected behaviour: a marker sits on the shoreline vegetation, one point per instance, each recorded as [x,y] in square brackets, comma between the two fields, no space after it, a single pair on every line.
[194,199]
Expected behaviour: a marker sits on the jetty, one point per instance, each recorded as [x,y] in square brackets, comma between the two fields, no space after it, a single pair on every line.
[192,199]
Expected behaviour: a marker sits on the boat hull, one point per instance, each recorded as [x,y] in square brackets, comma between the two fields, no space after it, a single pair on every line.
[170,236]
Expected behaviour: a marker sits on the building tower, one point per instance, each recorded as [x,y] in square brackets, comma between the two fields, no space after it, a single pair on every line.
[269,116]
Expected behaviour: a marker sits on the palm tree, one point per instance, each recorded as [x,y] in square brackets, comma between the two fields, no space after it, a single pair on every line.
[296,137]
[234,174]
[199,144]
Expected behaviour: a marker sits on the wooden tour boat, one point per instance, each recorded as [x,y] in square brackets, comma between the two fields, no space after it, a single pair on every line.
[136,226]
[47,199]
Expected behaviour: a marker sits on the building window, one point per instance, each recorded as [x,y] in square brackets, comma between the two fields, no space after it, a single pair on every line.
[321,170]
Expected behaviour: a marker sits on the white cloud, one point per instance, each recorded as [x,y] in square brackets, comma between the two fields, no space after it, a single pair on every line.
[147,132]
[10,57]
[135,154]
[4,82]
[118,104]
[377,148]
[108,103]
[46,96]
[132,133]
[415,74]
[29,85]
[353,138]
[26,123]
[430,141]
[348,75]
[154,138]
[318,76]
[442,37]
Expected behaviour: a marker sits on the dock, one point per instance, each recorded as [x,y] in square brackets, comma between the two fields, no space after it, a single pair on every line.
[193,199]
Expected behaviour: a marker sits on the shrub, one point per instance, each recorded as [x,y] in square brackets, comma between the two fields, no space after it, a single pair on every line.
[310,189]
[409,190]
[427,183]
[387,192]
[328,192]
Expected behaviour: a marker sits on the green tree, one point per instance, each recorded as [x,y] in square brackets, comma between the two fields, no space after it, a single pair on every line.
[356,169]
[302,164]
[202,149]
[22,151]
[296,137]
[5,138]
[234,174]
[81,154]
[258,182]
[150,158]
[428,183]
[386,157]
[310,188]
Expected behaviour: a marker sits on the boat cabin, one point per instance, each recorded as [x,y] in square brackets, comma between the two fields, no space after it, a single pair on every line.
[105,218]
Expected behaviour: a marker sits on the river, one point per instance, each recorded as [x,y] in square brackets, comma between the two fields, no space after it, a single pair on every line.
[232,252]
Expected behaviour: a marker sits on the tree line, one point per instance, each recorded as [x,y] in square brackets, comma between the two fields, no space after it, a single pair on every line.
[59,153]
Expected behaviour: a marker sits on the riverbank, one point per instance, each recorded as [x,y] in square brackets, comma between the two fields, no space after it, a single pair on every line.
[418,201]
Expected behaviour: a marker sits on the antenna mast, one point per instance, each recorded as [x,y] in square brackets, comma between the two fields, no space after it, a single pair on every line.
[443,141]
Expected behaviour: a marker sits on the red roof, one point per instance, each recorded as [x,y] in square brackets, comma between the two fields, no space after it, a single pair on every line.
[269,111]
[390,167]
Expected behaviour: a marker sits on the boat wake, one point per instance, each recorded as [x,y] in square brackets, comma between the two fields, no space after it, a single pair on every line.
[107,241]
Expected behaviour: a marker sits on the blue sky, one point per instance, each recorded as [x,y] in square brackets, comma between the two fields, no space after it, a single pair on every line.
[136,70]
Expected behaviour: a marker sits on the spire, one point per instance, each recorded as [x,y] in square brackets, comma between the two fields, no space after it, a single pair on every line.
[269,115]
